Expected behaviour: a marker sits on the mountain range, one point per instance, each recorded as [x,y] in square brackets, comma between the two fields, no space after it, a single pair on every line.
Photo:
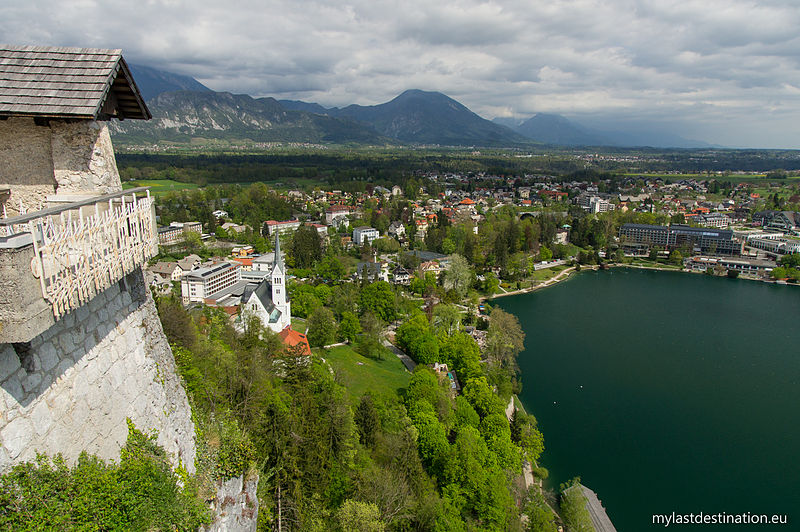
[555,129]
[186,111]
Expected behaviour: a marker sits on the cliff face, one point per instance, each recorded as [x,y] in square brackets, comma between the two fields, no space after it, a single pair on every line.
[71,388]
[235,506]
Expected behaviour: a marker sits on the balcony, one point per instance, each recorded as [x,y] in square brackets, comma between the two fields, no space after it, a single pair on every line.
[54,260]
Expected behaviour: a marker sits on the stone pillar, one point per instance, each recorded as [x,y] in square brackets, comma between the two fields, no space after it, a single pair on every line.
[83,158]
[26,165]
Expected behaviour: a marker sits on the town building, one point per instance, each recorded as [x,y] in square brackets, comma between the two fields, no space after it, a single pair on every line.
[785,221]
[174,232]
[364,235]
[336,215]
[372,271]
[169,271]
[396,230]
[201,283]
[714,219]
[274,228]
[634,237]
[401,276]
[296,342]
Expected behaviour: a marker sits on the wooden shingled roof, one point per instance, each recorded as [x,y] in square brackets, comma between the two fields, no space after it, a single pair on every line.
[50,82]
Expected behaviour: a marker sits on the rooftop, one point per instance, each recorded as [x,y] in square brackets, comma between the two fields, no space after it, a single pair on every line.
[53,82]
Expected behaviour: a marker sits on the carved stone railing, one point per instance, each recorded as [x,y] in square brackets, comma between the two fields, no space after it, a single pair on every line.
[81,248]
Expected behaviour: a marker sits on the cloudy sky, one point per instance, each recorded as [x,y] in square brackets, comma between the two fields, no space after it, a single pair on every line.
[722,71]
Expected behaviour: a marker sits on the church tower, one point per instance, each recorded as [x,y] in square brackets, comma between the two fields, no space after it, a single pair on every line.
[280,298]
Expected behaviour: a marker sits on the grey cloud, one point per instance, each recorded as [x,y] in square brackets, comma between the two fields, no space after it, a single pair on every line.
[726,69]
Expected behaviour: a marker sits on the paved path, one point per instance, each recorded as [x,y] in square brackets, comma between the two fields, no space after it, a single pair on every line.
[527,470]
[404,358]
[600,519]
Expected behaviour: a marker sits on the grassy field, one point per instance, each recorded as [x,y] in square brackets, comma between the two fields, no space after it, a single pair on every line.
[548,273]
[299,324]
[159,187]
[360,374]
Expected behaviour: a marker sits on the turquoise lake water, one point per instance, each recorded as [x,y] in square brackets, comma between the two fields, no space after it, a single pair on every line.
[667,392]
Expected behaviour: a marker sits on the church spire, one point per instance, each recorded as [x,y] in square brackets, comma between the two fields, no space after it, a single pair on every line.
[278,261]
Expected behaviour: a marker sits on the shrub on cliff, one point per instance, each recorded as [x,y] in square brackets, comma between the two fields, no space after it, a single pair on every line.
[141,492]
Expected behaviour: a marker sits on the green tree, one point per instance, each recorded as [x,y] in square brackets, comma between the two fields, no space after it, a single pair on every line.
[676,258]
[367,420]
[540,517]
[330,269]
[573,508]
[545,253]
[321,327]
[779,272]
[491,285]
[446,319]
[349,327]
[463,355]
[790,261]
[357,516]
[458,275]
[504,339]
[306,248]
[379,299]
[370,342]
[346,298]
[304,300]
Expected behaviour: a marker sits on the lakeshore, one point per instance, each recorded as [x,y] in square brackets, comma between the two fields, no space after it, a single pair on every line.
[566,274]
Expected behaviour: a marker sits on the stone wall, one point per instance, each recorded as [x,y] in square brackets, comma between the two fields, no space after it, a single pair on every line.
[71,388]
[26,163]
[40,159]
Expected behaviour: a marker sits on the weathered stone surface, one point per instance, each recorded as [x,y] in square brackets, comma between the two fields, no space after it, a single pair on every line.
[9,362]
[83,157]
[26,163]
[17,435]
[235,506]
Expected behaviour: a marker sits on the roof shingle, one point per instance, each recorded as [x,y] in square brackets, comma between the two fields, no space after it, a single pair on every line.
[58,82]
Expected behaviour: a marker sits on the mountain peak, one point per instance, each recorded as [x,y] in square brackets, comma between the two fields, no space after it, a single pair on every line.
[152,82]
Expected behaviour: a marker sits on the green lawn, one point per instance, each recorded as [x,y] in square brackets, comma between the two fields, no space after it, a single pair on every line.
[159,187]
[299,324]
[547,273]
[360,374]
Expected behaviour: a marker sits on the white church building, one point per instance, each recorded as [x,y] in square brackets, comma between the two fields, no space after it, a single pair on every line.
[269,300]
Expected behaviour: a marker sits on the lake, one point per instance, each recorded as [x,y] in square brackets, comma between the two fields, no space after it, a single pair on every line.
[666,391]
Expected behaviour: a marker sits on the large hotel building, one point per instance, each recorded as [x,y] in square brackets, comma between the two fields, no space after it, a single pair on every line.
[706,240]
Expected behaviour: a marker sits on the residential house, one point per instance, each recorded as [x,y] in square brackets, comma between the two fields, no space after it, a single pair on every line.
[401,276]
[372,271]
[397,230]
[168,271]
[190,262]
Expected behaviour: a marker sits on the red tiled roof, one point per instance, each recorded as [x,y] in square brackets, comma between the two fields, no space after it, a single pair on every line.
[291,338]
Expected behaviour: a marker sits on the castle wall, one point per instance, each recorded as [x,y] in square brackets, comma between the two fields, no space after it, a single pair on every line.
[26,164]
[57,157]
[71,388]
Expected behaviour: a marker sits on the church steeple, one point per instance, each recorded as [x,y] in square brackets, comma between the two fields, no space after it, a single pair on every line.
[278,277]
[278,261]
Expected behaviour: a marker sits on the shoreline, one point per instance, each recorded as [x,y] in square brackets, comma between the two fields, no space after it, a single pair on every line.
[565,274]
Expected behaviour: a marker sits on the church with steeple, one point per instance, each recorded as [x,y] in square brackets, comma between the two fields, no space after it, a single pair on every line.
[269,300]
